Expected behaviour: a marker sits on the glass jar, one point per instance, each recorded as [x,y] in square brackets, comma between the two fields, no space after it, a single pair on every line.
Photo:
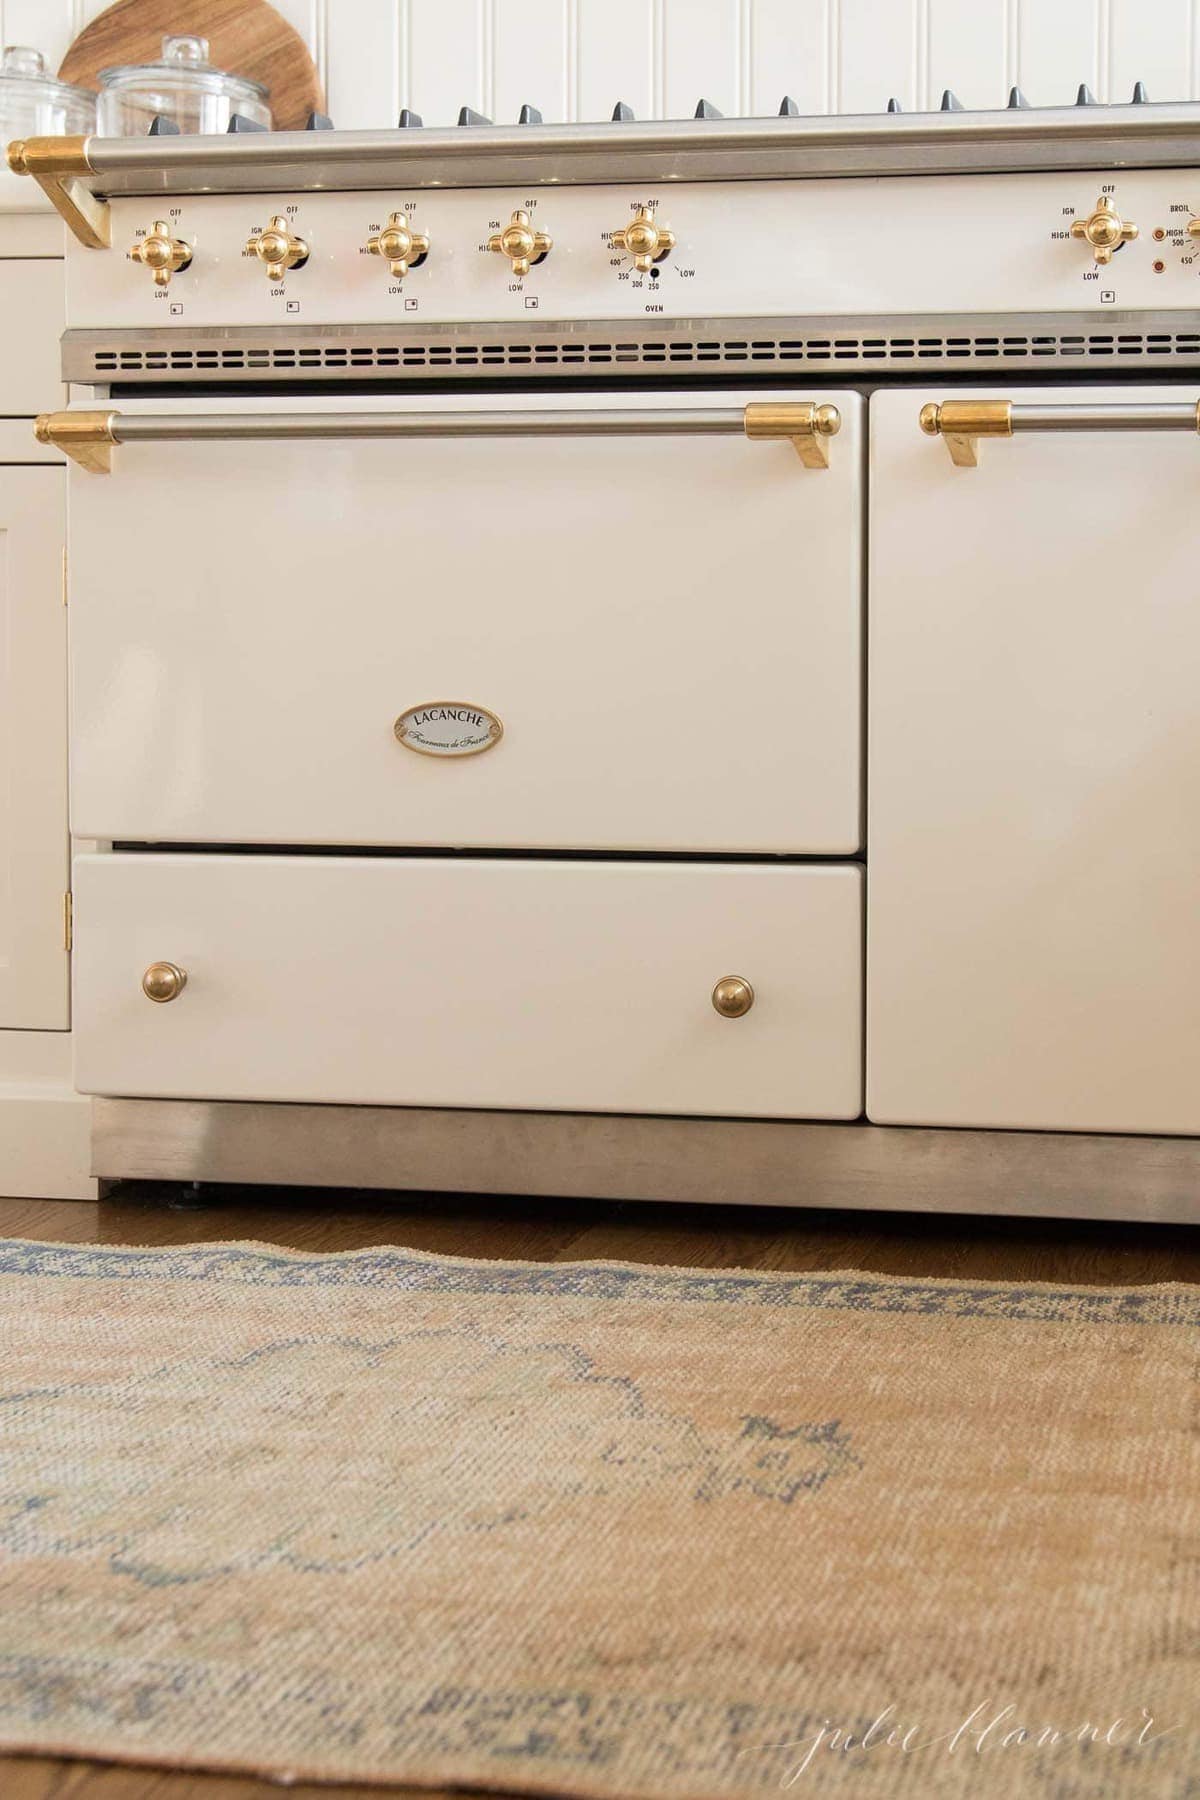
[34,104]
[183,88]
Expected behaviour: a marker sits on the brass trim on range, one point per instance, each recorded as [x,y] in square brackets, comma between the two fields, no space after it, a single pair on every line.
[86,437]
[808,426]
[960,423]
[59,165]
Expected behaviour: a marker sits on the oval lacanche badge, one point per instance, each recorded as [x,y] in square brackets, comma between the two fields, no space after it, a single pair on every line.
[448,728]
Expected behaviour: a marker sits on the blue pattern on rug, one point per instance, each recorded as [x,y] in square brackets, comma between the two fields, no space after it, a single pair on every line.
[620,1447]
[403,1271]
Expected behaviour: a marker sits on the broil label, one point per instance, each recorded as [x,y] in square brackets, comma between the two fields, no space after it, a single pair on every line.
[448,728]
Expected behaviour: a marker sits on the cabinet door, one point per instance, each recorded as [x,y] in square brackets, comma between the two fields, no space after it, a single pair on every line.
[33,758]
[1034,776]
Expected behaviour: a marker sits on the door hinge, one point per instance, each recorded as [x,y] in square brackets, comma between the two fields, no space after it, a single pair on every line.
[68,920]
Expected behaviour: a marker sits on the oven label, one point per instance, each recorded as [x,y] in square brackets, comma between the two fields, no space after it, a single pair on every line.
[448,728]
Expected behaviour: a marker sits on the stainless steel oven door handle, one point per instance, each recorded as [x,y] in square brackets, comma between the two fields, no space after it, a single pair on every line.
[961,423]
[89,437]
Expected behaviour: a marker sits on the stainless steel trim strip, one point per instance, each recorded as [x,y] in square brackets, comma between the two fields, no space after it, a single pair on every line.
[577,1155]
[1094,138]
[798,346]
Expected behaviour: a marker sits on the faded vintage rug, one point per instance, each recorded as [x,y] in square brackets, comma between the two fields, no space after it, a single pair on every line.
[598,1529]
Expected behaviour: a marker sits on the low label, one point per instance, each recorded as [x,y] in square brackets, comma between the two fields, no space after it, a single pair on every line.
[448,728]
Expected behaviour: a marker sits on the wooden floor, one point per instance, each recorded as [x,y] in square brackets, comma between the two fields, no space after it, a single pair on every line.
[967,1249]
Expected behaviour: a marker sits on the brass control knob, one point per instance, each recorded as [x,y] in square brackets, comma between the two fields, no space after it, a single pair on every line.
[1105,230]
[403,248]
[161,252]
[522,245]
[164,981]
[277,248]
[1193,226]
[645,241]
[733,997]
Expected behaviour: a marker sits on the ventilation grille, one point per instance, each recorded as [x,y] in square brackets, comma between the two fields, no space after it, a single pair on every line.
[348,357]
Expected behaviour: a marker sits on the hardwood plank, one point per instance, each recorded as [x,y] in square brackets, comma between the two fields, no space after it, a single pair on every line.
[555,1230]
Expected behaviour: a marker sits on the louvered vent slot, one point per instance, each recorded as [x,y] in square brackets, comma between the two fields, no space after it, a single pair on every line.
[457,356]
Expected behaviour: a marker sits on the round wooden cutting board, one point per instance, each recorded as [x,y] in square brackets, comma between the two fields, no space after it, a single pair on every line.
[245,37]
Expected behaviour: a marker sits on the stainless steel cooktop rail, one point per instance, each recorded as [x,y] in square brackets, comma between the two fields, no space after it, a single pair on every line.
[1089,137]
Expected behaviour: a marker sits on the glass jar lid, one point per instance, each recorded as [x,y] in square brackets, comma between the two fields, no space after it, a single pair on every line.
[185,64]
[26,67]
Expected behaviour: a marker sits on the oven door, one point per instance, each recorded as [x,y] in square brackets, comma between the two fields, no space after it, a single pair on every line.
[634,637]
[1034,823]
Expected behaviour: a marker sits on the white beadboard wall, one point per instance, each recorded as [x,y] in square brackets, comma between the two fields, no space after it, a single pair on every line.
[575,58]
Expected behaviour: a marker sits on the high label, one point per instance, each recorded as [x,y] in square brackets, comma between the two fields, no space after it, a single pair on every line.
[448,728]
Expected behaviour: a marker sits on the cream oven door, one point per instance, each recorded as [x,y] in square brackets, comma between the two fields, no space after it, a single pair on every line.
[1034,767]
[481,623]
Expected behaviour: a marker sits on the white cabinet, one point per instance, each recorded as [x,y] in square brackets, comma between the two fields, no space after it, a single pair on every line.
[31,323]
[34,975]
[44,1124]
[1034,776]
[468,982]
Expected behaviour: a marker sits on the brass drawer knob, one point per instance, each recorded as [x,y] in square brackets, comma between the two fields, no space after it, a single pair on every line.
[164,981]
[733,997]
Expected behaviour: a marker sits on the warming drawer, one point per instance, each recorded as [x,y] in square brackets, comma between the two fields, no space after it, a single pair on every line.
[638,635]
[472,982]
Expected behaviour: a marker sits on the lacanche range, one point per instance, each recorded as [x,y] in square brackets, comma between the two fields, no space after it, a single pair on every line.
[654,660]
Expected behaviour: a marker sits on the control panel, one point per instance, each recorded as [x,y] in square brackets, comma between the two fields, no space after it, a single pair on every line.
[903,244]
